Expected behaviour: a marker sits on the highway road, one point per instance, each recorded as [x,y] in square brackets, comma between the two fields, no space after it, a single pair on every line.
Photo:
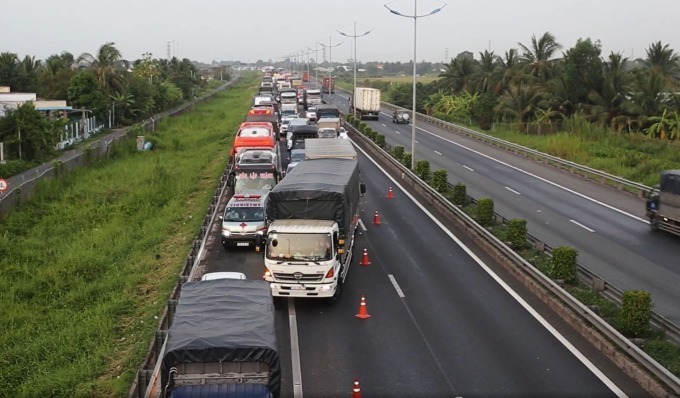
[606,226]
[442,324]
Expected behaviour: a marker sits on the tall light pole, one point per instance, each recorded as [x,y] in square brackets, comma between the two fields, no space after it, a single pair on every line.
[330,63]
[354,36]
[415,17]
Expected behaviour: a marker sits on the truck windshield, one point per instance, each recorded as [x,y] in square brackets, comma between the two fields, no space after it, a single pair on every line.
[327,133]
[309,247]
[244,214]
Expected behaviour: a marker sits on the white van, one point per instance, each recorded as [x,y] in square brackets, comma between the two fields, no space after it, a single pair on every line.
[244,218]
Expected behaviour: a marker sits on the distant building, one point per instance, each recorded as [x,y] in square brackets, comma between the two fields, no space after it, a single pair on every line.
[9,100]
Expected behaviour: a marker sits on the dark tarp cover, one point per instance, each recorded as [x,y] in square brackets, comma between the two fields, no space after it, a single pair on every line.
[224,320]
[231,390]
[321,189]
[670,182]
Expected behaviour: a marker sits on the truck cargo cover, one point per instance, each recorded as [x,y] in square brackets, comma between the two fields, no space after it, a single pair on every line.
[321,189]
[324,149]
[224,320]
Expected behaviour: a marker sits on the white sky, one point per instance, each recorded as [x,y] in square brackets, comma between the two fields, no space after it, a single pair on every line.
[249,30]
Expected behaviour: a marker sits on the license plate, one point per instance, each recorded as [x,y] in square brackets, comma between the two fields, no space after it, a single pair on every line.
[242,244]
[297,287]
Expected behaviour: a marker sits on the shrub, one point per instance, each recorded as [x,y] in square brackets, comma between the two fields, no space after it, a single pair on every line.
[423,169]
[362,126]
[563,264]
[440,180]
[459,195]
[349,118]
[485,212]
[517,233]
[399,152]
[406,159]
[380,140]
[367,131]
[636,313]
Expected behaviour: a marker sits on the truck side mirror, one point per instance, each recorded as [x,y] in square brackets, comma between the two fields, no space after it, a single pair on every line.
[362,188]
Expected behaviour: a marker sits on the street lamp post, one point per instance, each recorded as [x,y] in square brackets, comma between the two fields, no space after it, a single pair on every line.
[354,36]
[415,17]
[330,63]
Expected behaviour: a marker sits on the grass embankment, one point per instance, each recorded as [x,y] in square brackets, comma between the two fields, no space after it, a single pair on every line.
[87,265]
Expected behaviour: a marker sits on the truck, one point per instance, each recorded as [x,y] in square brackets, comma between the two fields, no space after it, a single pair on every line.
[295,81]
[365,101]
[663,203]
[313,97]
[328,127]
[256,168]
[327,110]
[222,342]
[314,213]
[305,76]
[288,96]
[328,85]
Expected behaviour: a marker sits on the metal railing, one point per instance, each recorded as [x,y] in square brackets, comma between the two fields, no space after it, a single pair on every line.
[482,235]
[621,183]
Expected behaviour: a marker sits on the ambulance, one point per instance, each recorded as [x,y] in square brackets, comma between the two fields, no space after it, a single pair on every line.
[244,218]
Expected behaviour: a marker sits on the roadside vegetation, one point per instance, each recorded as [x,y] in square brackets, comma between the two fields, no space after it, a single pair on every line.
[605,111]
[86,266]
[103,83]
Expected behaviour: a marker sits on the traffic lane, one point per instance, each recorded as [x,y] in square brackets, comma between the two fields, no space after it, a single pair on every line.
[385,352]
[619,249]
[453,300]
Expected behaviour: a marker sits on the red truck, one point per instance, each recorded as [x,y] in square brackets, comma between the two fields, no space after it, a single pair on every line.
[328,85]
[305,76]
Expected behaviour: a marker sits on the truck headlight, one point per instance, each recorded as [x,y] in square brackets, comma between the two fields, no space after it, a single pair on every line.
[326,288]
[226,233]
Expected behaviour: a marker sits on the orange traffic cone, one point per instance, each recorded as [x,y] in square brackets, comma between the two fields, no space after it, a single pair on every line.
[356,390]
[364,258]
[363,312]
[390,194]
[376,218]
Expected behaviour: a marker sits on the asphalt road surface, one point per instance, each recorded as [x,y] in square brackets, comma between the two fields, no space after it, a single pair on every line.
[441,324]
[605,225]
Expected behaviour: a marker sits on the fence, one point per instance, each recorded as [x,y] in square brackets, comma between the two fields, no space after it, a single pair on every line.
[21,186]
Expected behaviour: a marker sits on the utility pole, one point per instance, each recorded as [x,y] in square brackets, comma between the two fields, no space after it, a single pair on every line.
[19,135]
[354,36]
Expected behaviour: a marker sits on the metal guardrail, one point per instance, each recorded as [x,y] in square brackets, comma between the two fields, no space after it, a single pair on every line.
[477,232]
[640,189]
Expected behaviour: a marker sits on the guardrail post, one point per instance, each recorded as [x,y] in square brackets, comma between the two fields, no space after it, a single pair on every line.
[142,382]
[598,285]
[539,246]
[172,307]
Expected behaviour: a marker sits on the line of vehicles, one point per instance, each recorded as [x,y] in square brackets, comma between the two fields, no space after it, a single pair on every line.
[222,341]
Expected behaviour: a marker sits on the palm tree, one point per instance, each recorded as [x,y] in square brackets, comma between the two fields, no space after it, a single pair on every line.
[485,75]
[9,69]
[538,56]
[665,61]
[507,67]
[609,105]
[520,101]
[458,75]
[108,66]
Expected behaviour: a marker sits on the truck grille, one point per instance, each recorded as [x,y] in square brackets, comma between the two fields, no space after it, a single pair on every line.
[297,277]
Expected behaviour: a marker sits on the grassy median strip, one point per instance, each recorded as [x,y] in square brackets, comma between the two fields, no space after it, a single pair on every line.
[87,265]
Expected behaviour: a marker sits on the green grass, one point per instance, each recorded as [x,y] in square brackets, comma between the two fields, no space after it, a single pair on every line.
[634,156]
[87,265]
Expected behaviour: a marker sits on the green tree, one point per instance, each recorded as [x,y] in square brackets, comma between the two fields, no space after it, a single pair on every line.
[665,61]
[583,71]
[9,70]
[28,134]
[109,68]
[538,55]
[608,105]
[458,75]
[485,73]
[84,92]
[55,75]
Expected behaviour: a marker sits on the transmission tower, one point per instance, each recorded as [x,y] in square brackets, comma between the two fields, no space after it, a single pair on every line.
[169,48]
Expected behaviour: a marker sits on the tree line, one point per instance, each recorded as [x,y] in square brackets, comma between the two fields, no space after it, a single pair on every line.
[533,86]
[103,83]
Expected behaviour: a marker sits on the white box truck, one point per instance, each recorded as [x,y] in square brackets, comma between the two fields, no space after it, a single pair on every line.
[367,103]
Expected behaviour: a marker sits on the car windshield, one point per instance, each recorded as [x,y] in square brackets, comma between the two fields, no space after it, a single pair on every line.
[244,214]
[309,247]
[297,156]
[327,133]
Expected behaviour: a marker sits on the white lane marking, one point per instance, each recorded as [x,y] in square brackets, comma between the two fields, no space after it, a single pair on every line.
[396,286]
[383,124]
[512,190]
[582,226]
[294,350]
[585,361]
[417,142]
[437,152]
[540,178]
[469,168]
[397,132]
[363,227]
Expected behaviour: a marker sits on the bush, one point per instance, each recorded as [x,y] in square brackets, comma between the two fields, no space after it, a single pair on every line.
[362,126]
[367,131]
[440,180]
[398,152]
[380,140]
[459,195]
[406,159]
[517,233]
[563,264]
[485,212]
[636,313]
[423,170]
[13,167]
[349,118]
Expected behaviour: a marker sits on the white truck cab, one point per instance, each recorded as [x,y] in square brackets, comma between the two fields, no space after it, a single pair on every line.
[244,218]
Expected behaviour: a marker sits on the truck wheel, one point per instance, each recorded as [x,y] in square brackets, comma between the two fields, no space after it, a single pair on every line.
[336,297]
[654,223]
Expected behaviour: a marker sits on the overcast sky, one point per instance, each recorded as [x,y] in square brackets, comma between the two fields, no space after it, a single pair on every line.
[270,29]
